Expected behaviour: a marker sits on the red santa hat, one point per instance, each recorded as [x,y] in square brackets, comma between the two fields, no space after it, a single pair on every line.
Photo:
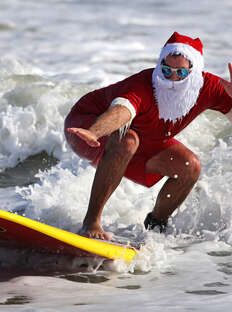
[190,48]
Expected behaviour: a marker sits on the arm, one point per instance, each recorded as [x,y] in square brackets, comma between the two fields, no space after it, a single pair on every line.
[113,119]
[228,84]
[228,88]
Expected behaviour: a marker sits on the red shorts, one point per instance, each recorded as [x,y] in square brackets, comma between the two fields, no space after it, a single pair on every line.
[136,168]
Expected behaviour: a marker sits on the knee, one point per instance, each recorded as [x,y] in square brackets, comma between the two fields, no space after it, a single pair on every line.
[130,142]
[125,146]
[192,169]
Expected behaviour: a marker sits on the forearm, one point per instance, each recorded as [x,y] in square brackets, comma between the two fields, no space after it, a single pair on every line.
[113,119]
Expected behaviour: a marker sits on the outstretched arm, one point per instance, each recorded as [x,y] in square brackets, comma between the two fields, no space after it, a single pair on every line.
[228,88]
[228,84]
[113,119]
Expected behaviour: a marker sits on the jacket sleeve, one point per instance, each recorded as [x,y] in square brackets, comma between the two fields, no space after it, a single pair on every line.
[219,99]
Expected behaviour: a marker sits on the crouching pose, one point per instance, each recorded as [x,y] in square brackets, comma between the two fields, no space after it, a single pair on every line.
[128,129]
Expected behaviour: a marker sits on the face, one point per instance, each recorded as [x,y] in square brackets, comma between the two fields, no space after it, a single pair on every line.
[176,61]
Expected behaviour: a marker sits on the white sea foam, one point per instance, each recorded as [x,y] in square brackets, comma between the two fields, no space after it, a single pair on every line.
[49,59]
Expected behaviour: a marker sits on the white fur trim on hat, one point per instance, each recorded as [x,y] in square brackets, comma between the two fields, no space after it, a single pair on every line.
[193,55]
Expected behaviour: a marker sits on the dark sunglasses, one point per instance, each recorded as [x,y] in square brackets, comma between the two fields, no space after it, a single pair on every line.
[180,72]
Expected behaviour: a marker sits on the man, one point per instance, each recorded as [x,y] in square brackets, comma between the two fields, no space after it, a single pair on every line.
[128,129]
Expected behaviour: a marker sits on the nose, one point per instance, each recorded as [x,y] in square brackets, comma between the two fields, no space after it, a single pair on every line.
[174,77]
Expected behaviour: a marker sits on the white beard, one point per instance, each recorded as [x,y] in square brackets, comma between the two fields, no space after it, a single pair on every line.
[176,98]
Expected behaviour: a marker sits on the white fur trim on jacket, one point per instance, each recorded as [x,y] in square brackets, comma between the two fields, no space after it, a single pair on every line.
[126,103]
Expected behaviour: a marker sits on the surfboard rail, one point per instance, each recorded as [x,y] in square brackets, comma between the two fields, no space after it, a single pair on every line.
[105,249]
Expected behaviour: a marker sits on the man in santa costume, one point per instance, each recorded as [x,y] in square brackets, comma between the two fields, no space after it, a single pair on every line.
[128,129]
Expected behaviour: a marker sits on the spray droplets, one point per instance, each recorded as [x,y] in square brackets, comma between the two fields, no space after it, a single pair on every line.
[175,176]
[168,195]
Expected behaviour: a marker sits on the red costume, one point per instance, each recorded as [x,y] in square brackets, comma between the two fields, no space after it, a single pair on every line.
[154,133]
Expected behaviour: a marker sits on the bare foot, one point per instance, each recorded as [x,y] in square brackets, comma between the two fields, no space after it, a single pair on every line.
[95,231]
[86,135]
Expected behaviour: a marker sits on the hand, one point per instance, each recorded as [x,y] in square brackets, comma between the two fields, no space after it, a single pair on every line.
[86,135]
[95,231]
[228,84]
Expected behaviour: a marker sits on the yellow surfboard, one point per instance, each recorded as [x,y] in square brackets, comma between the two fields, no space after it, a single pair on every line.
[19,231]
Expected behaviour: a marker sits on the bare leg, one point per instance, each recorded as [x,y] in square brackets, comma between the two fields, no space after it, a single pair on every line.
[183,169]
[108,175]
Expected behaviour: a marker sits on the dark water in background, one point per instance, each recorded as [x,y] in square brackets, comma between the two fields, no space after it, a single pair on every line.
[25,172]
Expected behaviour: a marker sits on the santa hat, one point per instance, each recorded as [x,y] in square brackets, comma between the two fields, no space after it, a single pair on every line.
[190,48]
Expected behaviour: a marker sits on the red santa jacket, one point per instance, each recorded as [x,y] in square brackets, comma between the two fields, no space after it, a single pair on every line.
[138,90]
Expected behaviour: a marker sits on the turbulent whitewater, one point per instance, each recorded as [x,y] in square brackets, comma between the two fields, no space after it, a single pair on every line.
[53,52]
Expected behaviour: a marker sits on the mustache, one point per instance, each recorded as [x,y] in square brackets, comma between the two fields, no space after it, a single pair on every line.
[176,98]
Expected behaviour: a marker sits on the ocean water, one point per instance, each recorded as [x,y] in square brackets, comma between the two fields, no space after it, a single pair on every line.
[53,52]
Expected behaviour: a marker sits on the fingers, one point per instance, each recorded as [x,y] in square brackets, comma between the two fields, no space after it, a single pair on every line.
[85,135]
[223,81]
[72,130]
[77,131]
[230,70]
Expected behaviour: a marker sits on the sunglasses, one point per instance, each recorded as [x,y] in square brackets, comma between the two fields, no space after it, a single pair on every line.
[180,72]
